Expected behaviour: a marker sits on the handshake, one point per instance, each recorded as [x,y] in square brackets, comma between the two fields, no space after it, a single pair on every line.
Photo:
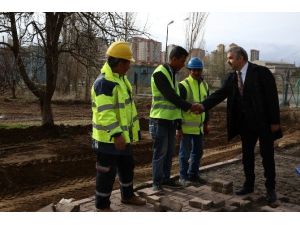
[197,108]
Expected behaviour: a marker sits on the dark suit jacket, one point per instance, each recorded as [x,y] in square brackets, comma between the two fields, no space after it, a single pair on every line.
[260,100]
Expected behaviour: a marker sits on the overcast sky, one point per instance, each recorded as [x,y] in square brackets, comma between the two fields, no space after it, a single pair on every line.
[271,27]
[276,35]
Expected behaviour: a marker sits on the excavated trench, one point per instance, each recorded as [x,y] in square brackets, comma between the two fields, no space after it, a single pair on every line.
[39,166]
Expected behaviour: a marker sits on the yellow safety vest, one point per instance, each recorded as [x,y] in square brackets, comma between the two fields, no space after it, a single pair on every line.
[196,93]
[114,114]
[161,108]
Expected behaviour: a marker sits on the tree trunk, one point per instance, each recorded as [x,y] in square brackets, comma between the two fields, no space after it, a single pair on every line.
[13,89]
[87,86]
[46,111]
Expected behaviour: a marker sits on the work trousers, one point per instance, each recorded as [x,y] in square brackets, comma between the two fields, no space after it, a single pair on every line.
[190,154]
[164,140]
[107,166]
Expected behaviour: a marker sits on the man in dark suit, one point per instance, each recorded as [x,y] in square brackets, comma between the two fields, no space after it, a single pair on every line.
[253,113]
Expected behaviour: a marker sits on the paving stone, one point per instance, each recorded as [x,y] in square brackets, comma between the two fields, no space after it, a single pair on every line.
[147,192]
[204,188]
[291,207]
[179,193]
[116,207]
[170,205]
[85,210]
[217,203]
[68,207]
[222,183]
[240,202]
[222,186]
[135,208]
[152,198]
[201,203]
[186,192]
[219,209]
[254,197]
[267,208]
[177,198]
[158,207]
[168,190]
[193,189]
[231,208]
[83,201]
[186,209]
[185,203]
[217,188]
[148,208]
[226,197]
[227,190]
[48,208]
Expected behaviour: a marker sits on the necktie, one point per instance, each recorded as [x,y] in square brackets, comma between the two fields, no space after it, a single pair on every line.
[240,82]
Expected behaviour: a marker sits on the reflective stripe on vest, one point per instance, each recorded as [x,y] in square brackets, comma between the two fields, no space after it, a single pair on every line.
[161,108]
[192,123]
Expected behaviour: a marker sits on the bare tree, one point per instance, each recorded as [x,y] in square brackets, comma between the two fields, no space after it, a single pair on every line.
[45,30]
[195,30]
[9,76]
[89,44]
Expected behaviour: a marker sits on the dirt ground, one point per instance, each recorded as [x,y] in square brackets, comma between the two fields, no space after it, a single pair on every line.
[39,166]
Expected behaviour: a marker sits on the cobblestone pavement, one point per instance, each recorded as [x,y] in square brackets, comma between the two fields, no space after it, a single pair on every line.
[217,195]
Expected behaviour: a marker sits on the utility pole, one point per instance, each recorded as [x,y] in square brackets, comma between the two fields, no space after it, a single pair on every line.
[166,53]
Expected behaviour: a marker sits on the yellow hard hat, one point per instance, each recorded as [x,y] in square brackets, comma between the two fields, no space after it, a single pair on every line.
[121,50]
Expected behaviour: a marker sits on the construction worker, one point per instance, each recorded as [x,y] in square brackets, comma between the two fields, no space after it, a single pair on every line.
[165,116]
[115,126]
[193,89]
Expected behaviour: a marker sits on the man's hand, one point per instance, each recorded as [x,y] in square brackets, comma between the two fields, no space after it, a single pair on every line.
[197,108]
[178,135]
[275,127]
[206,128]
[120,143]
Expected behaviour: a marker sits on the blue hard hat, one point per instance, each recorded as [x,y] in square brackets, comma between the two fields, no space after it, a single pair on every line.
[195,63]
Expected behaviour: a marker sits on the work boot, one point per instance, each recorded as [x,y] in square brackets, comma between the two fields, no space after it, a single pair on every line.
[197,180]
[172,184]
[105,210]
[184,182]
[157,187]
[134,200]
[271,196]
[244,191]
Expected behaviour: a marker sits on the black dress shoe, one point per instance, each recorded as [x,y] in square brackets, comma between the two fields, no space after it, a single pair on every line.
[244,191]
[271,196]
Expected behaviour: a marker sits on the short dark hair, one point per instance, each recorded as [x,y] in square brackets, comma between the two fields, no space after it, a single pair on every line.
[239,51]
[178,52]
[113,62]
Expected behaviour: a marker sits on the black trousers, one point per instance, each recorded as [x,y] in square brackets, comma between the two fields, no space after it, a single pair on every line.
[266,144]
[107,167]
